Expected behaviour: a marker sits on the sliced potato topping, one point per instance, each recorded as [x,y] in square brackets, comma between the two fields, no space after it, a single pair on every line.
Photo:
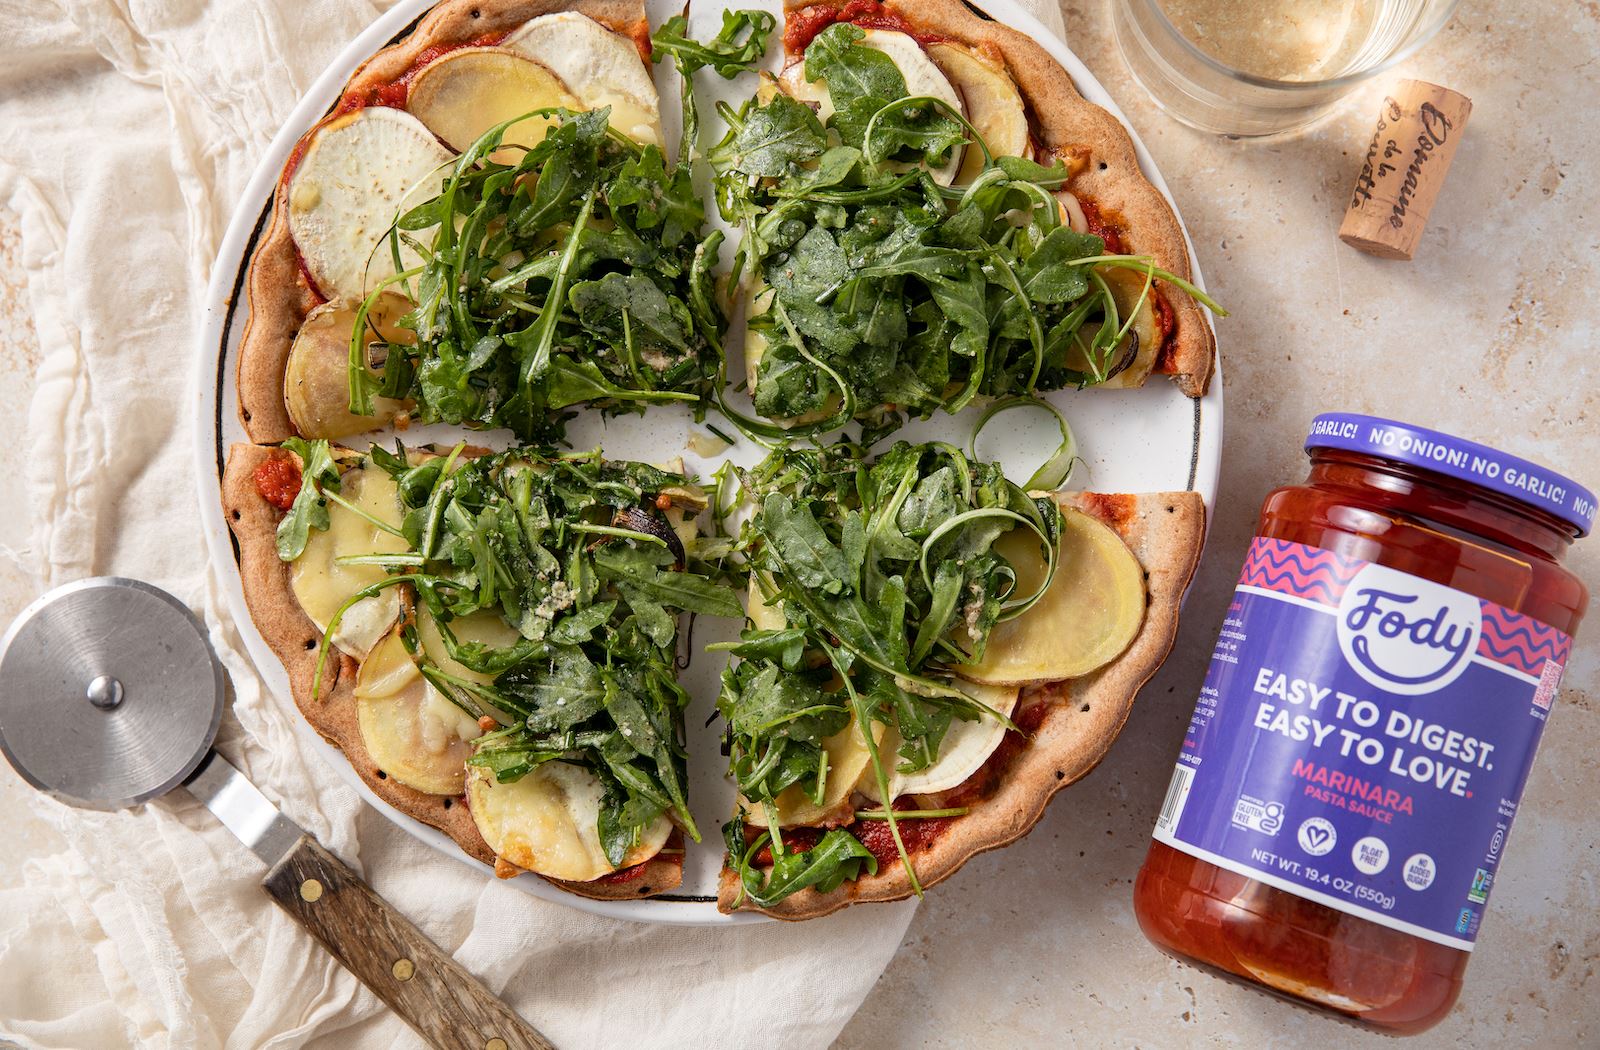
[849,762]
[966,746]
[1090,614]
[321,584]
[316,382]
[545,822]
[600,67]
[360,171]
[463,94]
[1126,288]
[993,105]
[485,625]
[412,732]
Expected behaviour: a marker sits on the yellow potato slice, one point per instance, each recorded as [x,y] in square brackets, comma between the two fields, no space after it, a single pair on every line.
[485,625]
[321,585]
[546,822]
[316,386]
[1126,286]
[994,106]
[462,94]
[412,732]
[1090,614]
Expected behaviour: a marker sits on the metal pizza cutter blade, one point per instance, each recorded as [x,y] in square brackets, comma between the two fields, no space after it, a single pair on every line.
[111,695]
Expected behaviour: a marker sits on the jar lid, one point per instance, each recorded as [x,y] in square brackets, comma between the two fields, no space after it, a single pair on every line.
[1454,457]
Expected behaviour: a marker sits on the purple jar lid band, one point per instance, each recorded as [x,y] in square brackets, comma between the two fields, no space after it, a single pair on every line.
[1454,457]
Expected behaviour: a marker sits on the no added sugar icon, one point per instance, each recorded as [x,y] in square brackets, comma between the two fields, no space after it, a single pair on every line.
[1317,836]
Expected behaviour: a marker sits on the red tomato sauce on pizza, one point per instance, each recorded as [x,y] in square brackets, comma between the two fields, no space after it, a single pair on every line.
[278,480]
[802,26]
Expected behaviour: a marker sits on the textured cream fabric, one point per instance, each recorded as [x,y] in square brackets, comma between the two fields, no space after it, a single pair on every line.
[128,129]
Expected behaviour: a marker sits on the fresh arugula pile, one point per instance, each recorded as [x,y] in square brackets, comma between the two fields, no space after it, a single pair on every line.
[577,275]
[890,292]
[887,577]
[578,555]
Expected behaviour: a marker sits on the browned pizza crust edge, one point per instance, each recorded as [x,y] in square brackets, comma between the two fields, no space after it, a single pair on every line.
[278,294]
[1112,178]
[1165,532]
[295,640]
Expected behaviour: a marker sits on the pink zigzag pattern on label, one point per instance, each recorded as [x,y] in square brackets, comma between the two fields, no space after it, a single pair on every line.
[1520,642]
[1293,568]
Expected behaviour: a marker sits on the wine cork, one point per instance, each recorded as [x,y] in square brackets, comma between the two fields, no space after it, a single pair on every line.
[1419,127]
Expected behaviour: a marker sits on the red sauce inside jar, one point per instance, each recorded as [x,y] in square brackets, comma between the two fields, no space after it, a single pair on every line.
[1470,537]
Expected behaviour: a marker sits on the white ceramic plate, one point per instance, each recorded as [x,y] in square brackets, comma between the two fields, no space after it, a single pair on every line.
[1152,439]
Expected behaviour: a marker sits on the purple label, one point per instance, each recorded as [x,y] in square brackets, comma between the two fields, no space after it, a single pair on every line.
[1362,739]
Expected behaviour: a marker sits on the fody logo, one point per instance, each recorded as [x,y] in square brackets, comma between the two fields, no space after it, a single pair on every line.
[1405,634]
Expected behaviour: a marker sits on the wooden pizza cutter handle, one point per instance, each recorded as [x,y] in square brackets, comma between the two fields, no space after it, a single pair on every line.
[448,1006]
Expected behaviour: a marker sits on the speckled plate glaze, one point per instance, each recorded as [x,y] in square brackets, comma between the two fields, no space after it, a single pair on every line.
[1146,440]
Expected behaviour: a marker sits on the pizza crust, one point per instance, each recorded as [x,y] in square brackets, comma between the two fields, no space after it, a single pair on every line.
[1083,716]
[277,290]
[295,640]
[1112,179]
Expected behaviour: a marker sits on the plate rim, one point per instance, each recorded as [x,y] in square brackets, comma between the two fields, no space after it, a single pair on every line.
[225,301]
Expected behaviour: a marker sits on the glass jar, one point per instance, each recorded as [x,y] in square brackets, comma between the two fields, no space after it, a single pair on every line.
[1359,747]
[1263,69]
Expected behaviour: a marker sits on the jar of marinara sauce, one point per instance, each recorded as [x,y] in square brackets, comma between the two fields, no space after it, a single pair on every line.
[1348,780]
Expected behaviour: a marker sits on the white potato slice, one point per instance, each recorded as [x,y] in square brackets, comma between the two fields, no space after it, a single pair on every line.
[546,822]
[922,76]
[462,94]
[758,300]
[1126,287]
[412,732]
[321,585]
[316,383]
[1090,614]
[600,67]
[993,104]
[966,746]
[359,172]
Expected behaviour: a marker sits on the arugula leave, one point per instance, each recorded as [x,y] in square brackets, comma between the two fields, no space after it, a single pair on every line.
[310,508]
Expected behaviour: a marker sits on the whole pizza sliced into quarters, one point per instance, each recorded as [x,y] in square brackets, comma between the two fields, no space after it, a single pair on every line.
[932,214]
[930,654]
[483,231]
[490,639]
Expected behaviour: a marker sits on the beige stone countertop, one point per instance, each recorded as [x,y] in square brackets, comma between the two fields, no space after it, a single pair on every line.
[1491,334]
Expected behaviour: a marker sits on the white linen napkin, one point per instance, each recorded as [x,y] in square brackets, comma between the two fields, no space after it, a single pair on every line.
[128,129]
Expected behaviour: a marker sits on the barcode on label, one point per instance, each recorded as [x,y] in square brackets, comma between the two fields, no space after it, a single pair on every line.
[1177,795]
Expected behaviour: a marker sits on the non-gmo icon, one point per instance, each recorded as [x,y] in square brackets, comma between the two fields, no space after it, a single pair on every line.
[1317,836]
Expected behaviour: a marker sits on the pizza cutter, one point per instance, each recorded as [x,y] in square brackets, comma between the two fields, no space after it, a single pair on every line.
[110,695]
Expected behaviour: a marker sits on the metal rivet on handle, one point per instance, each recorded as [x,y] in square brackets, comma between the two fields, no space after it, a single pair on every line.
[311,891]
[403,969]
[495,1044]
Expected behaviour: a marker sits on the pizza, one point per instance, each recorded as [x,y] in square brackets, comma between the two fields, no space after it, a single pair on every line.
[488,233]
[931,653]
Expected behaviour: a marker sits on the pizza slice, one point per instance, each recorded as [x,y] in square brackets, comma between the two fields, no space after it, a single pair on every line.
[931,214]
[931,653]
[483,231]
[490,640]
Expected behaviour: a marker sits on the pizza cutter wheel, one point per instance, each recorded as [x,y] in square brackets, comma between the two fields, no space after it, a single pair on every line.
[110,695]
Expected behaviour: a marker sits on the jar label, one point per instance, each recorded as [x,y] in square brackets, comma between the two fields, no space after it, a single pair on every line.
[1362,739]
